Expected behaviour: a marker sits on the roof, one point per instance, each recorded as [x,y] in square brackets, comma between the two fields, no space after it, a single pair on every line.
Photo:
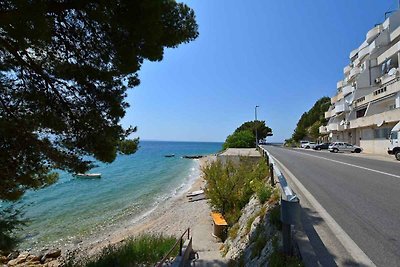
[245,152]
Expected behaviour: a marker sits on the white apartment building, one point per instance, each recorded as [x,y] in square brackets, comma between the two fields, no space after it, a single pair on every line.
[367,103]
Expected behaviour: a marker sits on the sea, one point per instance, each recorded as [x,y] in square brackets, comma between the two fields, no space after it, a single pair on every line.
[130,188]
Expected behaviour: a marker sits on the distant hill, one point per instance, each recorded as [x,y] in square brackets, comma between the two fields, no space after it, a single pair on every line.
[308,125]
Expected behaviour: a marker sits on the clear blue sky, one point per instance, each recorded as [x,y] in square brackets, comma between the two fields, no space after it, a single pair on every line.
[281,55]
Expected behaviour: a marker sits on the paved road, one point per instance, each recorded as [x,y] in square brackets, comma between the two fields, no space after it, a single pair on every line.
[361,194]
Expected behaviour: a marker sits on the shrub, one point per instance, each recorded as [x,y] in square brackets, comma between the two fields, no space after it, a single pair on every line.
[275,217]
[142,250]
[278,259]
[230,185]
[233,231]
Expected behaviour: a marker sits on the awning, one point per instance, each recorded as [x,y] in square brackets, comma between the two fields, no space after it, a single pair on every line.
[396,127]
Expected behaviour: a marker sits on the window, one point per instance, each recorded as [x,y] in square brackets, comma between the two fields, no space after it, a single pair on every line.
[393,135]
[382,133]
[361,112]
[380,91]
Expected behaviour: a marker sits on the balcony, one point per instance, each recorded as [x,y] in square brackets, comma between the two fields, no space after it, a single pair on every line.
[383,91]
[347,69]
[363,52]
[353,72]
[385,79]
[347,90]
[340,84]
[337,97]
[323,130]
[373,33]
[329,113]
[388,53]
[353,54]
[339,108]
[395,34]
[334,126]
[386,116]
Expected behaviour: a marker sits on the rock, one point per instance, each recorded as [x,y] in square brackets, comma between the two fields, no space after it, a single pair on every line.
[3,259]
[53,253]
[13,255]
[53,263]
[32,258]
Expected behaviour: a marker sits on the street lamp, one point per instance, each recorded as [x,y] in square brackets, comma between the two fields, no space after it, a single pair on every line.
[255,123]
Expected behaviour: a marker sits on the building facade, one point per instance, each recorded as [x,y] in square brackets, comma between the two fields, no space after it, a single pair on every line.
[367,103]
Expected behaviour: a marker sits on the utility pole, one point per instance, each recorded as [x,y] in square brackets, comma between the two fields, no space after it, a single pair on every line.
[255,123]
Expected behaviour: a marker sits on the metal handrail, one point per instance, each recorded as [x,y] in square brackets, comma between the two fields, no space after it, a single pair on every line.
[180,241]
[287,192]
[290,208]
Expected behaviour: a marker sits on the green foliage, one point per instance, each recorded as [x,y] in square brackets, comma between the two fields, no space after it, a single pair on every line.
[262,130]
[128,147]
[278,259]
[10,220]
[229,185]
[65,67]
[275,217]
[233,231]
[242,139]
[310,121]
[144,250]
[245,135]
[262,189]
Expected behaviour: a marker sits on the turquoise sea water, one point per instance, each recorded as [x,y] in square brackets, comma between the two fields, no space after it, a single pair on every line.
[130,187]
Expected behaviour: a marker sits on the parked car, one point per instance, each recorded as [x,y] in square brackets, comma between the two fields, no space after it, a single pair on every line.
[341,146]
[322,146]
[308,145]
[302,142]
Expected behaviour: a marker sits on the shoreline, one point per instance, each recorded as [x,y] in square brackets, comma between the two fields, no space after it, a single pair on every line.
[170,217]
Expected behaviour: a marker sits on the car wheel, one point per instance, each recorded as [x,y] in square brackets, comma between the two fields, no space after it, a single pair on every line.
[397,155]
[318,148]
[307,147]
[335,150]
[357,150]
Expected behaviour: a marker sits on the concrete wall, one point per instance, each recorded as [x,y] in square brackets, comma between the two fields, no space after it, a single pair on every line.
[377,146]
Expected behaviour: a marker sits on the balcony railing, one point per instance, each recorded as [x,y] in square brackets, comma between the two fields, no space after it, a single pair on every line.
[329,113]
[339,108]
[353,72]
[340,84]
[373,33]
[323,130]
[333,126]
[383,91]
[388,53]
[347,69]
[347,89]
[385,116]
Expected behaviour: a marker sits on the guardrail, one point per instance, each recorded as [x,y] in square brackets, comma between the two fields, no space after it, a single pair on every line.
[290,203]
[180,241]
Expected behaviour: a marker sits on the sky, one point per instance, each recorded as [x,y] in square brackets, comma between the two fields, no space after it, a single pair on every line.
[280,55]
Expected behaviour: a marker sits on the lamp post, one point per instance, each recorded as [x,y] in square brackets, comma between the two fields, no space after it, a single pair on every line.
[255,123]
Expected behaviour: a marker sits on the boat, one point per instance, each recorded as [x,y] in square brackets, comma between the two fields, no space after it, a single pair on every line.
[193,157]
[169,156]
[88,175]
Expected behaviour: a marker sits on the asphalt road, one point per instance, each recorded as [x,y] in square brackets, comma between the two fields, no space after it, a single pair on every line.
[361,194]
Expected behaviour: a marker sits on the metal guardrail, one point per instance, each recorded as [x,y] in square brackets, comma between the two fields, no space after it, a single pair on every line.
[290,203]
[180,241]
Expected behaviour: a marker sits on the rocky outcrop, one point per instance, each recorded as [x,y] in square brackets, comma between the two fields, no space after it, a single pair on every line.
[48,258]
[250,241]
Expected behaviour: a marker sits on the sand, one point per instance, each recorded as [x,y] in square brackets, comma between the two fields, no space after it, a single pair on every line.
[172,217]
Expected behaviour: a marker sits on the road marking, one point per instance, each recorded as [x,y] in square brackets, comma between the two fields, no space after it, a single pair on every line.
[354,250]
[349,164]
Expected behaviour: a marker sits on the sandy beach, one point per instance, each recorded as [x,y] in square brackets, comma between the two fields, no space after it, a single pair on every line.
[172,217]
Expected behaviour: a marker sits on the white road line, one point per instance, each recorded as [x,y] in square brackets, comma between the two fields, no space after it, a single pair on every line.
[354,250]
[349,164]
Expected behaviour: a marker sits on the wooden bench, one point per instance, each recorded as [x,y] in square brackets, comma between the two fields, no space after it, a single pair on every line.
[219,224]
